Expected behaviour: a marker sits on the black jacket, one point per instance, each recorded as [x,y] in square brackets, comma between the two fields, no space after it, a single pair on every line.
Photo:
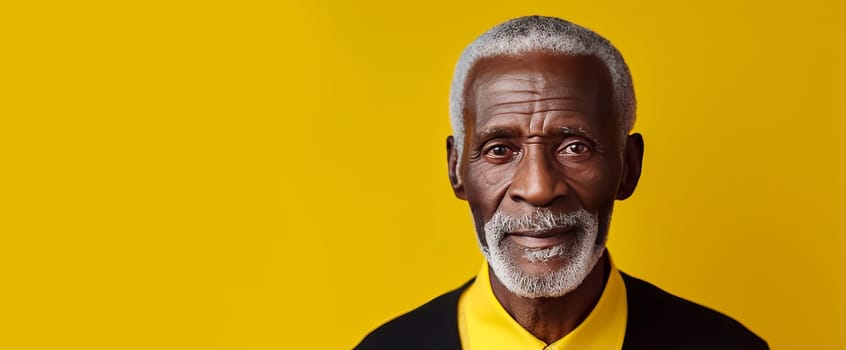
[656,320]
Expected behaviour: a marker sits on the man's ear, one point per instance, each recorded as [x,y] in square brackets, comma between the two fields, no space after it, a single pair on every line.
[452,165]
[632,164]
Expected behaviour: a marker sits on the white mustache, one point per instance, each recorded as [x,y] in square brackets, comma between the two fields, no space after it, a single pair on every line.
[540,220]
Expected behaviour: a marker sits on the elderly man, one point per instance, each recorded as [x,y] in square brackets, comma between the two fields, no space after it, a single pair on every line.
[541,113]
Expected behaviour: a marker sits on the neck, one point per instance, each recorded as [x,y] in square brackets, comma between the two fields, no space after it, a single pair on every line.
[550,319]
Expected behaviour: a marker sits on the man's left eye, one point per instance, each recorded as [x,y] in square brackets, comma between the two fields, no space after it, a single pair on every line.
[575,148]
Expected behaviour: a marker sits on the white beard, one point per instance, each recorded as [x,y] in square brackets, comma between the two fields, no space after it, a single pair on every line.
[579,254]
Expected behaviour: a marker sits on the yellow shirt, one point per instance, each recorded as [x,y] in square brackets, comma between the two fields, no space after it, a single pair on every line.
[484,324]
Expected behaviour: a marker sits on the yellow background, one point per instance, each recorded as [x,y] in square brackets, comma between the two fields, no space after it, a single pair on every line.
[265,175]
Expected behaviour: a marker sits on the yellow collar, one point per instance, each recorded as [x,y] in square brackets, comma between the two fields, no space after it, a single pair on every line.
[484,324]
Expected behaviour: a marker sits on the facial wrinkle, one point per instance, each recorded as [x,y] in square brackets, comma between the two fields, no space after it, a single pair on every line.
[498,179]
[529,106]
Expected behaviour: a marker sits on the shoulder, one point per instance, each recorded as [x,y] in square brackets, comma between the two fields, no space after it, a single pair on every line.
[433,325]
[659,320]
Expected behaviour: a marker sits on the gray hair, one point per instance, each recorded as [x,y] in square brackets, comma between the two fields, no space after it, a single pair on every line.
[537,33]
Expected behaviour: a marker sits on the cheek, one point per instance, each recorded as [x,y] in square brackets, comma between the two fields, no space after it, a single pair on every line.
[595,185]
[497,178]
[486,186]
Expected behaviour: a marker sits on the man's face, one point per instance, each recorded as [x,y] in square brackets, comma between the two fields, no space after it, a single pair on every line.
[541,168]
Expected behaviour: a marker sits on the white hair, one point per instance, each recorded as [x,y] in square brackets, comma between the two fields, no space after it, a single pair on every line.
[548,34]
[580,253]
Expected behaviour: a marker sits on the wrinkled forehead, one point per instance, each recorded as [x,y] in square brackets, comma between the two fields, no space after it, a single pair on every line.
[497,84]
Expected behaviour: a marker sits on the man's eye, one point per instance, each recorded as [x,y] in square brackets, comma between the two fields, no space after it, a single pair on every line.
[575,148]
[499,152]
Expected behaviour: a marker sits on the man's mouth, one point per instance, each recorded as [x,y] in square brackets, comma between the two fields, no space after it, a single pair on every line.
[541,239]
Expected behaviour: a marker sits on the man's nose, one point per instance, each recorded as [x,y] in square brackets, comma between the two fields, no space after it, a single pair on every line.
[537,181]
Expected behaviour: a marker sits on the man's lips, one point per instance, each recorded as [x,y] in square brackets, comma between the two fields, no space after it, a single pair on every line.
[540,239]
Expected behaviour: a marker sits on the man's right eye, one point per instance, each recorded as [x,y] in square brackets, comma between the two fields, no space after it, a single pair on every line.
[499,153]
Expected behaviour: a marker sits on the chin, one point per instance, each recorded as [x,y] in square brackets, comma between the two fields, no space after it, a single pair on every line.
[553,278]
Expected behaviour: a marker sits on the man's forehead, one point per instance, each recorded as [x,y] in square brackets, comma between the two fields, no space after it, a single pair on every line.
[527,68]
[533,98]
[536,83]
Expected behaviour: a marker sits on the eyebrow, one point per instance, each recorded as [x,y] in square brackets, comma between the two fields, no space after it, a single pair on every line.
[579,132]
[497,133]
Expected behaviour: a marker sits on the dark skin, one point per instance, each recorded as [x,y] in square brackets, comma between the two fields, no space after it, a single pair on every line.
[541,132]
